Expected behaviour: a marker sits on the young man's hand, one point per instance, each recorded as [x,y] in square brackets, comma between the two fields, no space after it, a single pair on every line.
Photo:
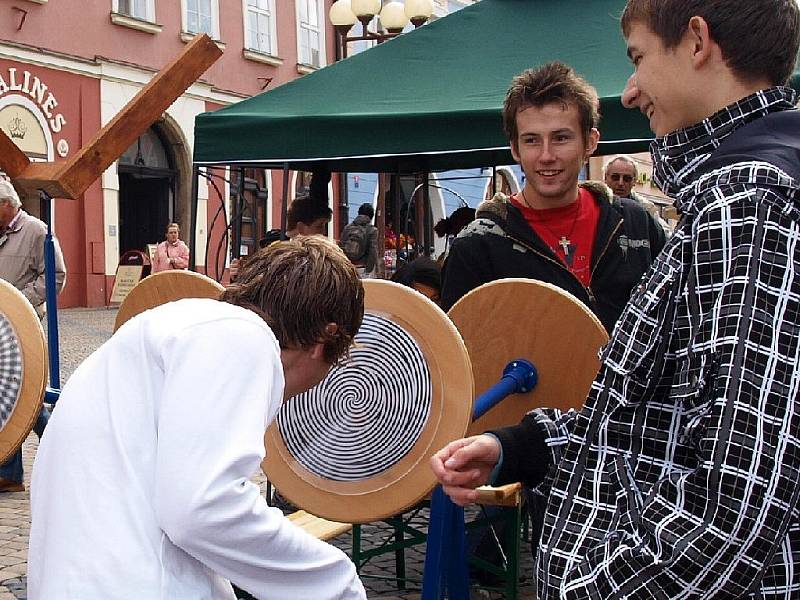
[465,464]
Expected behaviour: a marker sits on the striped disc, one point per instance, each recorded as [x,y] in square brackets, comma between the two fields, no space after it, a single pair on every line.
[367,413]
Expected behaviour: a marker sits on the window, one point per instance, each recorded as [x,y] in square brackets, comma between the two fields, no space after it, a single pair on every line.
[201,16]
[310,33]
[133,8]
[136,14]
[259,26]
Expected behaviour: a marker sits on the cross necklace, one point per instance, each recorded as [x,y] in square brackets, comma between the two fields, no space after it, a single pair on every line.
[565,242]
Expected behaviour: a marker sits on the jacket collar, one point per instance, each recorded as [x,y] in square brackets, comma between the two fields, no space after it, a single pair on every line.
[498,207]
[679,156]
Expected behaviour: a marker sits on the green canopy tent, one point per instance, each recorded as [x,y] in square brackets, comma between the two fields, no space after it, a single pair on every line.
[430,99]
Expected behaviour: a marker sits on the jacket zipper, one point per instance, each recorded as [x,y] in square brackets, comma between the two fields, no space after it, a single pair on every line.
[602,254]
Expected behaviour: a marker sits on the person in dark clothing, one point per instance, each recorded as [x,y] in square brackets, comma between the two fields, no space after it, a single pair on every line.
[680,476]
[580,238]
[359,240]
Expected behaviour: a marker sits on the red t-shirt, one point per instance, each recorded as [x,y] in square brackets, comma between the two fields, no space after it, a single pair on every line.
[569,231]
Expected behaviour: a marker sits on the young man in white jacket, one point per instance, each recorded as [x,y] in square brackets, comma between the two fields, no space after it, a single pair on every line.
[141,488]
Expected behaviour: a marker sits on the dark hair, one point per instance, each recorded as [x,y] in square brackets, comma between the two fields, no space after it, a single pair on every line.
[757,38]
[552,82]
[298,287]
[273,235]
[305,209]
[451,225]
[420,270]
[366,210]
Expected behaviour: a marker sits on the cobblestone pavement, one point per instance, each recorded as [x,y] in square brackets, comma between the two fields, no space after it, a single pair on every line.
[81,331]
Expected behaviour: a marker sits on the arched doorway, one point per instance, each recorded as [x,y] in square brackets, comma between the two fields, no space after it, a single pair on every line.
[147,182]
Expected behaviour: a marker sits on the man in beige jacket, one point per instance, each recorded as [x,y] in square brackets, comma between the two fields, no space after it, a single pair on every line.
[22,265]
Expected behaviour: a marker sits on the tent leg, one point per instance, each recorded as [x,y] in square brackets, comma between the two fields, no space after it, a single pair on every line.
[285,199]
[193,228]
[428,214]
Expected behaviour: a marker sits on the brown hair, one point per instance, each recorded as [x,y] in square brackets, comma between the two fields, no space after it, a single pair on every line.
[298,287]
[306,209]
[552,82]
[173,225]
[757,38]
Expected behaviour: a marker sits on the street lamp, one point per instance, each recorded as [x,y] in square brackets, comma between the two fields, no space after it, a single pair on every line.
[394,16]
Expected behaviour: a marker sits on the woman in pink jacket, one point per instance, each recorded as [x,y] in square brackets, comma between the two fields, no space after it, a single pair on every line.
[171,253]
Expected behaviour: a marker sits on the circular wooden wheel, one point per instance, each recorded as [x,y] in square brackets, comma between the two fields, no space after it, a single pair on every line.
[356,447]
[163,287]
[509,319]
[23,368]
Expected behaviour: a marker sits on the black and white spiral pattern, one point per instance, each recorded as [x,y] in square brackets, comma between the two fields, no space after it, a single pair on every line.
[367,414]
[10,370]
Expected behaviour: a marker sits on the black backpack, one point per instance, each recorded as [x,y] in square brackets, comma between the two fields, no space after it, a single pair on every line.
[354,241]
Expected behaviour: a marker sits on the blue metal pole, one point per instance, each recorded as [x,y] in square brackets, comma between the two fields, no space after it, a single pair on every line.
[519,377]
[446,554]
[51,394]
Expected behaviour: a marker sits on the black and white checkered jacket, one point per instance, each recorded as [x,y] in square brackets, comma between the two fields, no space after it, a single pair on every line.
[681,475]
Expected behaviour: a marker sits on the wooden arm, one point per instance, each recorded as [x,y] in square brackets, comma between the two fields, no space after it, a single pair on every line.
[505,495]
[71,178]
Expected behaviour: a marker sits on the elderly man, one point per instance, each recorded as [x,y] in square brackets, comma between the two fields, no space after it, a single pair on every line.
[620,174]
[22,265]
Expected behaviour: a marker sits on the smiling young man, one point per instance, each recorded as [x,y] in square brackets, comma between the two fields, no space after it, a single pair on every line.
[577,237]
[680,478]
[141,487]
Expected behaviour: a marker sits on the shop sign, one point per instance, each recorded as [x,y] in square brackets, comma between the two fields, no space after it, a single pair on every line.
[24,82]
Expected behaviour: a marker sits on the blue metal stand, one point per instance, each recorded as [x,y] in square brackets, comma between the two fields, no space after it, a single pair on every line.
[445,573]
[54,389]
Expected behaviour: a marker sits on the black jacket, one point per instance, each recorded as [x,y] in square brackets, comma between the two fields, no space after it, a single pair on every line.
[500,243]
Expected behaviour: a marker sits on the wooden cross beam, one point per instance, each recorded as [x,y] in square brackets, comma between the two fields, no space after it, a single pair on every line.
[69,179]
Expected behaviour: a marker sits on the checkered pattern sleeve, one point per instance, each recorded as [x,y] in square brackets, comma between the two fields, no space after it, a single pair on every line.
[720,529]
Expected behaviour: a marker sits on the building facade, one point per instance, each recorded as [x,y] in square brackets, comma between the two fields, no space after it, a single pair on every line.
[67,67]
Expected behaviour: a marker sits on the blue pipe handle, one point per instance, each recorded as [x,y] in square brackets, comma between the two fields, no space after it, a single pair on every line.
[519,376]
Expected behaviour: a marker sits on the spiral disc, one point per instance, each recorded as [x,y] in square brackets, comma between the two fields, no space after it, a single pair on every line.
[10,370]
[23,368]
[356,447]
[367,413]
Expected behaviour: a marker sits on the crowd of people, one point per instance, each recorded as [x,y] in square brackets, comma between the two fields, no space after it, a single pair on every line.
[678,478]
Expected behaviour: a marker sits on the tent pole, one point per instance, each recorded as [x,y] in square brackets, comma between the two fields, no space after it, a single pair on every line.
[380,221]
[285,199]
[399,225]
[344,203]
[193,228]
[428,216]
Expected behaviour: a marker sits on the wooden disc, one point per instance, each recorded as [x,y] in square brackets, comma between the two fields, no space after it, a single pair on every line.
[23,368]
[362,439]
[163,287]
[509,319]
